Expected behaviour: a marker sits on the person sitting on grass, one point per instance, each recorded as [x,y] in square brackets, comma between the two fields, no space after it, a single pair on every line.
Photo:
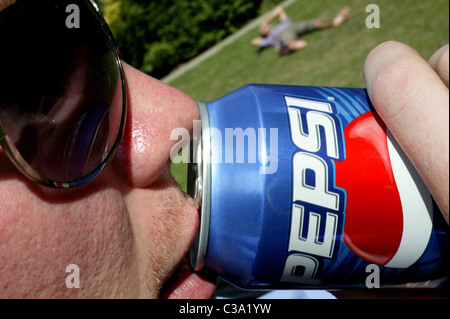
[285,36]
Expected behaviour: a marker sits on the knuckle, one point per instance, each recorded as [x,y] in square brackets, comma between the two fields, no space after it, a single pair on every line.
[394,87]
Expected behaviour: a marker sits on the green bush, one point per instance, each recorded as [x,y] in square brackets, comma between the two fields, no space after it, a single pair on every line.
[158,56]
[156,36]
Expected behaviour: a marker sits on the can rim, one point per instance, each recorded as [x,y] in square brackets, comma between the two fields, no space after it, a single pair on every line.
[200,187]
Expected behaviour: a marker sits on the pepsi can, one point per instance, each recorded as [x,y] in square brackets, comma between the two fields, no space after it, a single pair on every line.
[305,187]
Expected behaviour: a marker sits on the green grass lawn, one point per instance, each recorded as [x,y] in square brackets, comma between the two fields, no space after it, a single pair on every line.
[334,57]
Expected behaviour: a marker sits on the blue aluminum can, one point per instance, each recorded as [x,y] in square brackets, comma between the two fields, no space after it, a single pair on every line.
[305,187]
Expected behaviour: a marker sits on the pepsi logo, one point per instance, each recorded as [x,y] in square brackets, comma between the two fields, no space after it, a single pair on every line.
[360,175]
[389,210]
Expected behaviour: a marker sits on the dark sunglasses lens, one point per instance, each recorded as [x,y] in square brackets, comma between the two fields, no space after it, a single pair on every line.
[61,88]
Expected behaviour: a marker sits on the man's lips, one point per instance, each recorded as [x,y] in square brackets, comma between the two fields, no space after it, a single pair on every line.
[186,284]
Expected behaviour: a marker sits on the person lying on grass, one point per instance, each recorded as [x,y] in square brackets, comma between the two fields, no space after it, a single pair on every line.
[285,36]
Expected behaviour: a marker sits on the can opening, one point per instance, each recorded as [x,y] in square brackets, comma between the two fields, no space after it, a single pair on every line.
[199,187]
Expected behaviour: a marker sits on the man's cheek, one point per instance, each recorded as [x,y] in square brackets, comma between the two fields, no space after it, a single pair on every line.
[41,245]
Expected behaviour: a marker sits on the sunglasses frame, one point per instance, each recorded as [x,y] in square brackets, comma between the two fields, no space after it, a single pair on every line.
[14,155]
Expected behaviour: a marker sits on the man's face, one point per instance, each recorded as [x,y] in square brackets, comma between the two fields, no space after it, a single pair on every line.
[125,232]
[265,29]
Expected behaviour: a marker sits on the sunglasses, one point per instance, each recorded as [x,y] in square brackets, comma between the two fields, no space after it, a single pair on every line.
[62,90]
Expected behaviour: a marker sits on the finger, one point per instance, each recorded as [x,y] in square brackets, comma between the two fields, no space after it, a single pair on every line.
[439,62]
[413,102]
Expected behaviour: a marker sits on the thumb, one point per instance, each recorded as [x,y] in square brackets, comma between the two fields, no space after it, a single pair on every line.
[413,101]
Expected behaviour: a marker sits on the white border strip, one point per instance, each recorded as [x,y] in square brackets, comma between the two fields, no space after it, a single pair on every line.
[417,208]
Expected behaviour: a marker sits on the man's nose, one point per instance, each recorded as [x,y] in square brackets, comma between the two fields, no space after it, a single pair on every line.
[154,110]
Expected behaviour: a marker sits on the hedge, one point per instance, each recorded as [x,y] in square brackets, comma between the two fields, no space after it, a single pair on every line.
[156,36]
